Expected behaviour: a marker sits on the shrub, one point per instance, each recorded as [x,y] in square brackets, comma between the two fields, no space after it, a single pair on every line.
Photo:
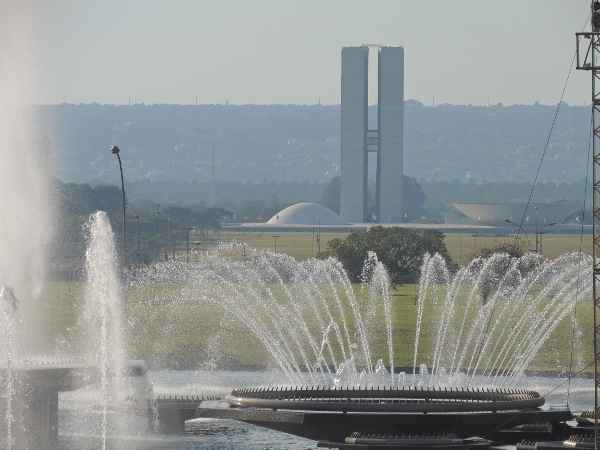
[401,250]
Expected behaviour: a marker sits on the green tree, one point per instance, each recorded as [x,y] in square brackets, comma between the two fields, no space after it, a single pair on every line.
[401,250]
[510,248]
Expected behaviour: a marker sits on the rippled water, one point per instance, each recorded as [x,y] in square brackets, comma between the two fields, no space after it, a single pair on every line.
[79,423]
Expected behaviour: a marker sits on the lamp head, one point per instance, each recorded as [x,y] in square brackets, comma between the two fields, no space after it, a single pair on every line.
[115,150]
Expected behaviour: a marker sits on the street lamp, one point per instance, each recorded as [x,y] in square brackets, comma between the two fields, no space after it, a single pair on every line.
[116,151]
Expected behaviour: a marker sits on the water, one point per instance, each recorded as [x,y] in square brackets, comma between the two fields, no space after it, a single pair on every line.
[8,320]
[25,227]
[75,432]
[102,321]
[78,431]
[487,319]
[497,312]
[305,314]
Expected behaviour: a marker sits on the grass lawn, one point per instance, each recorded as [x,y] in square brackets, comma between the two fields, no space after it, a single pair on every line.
[300,245]
[463,247]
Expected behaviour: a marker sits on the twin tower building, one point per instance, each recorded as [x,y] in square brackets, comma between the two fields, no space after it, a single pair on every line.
[385,139]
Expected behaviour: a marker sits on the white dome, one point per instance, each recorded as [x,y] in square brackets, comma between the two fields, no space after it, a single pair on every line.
[306,214]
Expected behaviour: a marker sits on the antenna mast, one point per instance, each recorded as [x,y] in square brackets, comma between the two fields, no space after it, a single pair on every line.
[588,58]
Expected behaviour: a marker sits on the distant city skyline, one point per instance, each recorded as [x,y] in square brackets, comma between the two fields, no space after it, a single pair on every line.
[288,51]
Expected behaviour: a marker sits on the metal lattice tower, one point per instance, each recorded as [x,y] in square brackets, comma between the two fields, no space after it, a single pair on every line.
[588,58]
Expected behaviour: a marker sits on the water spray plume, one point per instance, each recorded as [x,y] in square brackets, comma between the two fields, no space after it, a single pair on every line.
[487,321]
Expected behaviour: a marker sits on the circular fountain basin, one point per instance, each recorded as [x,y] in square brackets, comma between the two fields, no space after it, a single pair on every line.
[393,399]
[333,414]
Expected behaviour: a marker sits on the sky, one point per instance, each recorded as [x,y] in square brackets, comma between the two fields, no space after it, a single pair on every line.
[288,51]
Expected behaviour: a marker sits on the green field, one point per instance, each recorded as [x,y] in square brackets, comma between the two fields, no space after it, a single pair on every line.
[300,245]
[462,247]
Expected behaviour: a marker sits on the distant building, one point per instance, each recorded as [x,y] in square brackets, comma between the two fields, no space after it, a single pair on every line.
[357,140]
[310,214]
[511,214]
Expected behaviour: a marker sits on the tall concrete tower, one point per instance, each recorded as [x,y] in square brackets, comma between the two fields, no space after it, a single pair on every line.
[390,119]
[354,116]
[357,140]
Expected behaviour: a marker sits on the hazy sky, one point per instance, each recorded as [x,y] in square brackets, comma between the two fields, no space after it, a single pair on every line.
[288,51]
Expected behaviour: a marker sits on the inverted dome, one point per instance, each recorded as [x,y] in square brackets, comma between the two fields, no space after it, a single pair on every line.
[502,213]
[306,214]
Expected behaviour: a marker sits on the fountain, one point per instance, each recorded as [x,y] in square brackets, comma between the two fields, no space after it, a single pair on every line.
[334,343]
[330,339]
[102,317]
[25,231]
[477,331]
[497,313]
[31,382]
[486,322]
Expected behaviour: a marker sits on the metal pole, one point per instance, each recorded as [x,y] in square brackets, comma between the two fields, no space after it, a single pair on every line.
[537,231]
[168,237]
[116,151]
[139,241]
[596,272]
[592,41]
[319,238]
[187,259]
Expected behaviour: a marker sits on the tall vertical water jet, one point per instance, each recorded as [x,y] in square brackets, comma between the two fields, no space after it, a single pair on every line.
[103,316]
[8,319]
[25,226]
[378,282]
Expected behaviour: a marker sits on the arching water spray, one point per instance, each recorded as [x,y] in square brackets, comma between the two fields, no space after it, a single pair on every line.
[489,319]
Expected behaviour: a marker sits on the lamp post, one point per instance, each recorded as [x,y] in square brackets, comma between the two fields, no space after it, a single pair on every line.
[138,250]
[188,247]
[116,151]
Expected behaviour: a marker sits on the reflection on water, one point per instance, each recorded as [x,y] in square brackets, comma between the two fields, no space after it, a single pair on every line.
[80,418]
